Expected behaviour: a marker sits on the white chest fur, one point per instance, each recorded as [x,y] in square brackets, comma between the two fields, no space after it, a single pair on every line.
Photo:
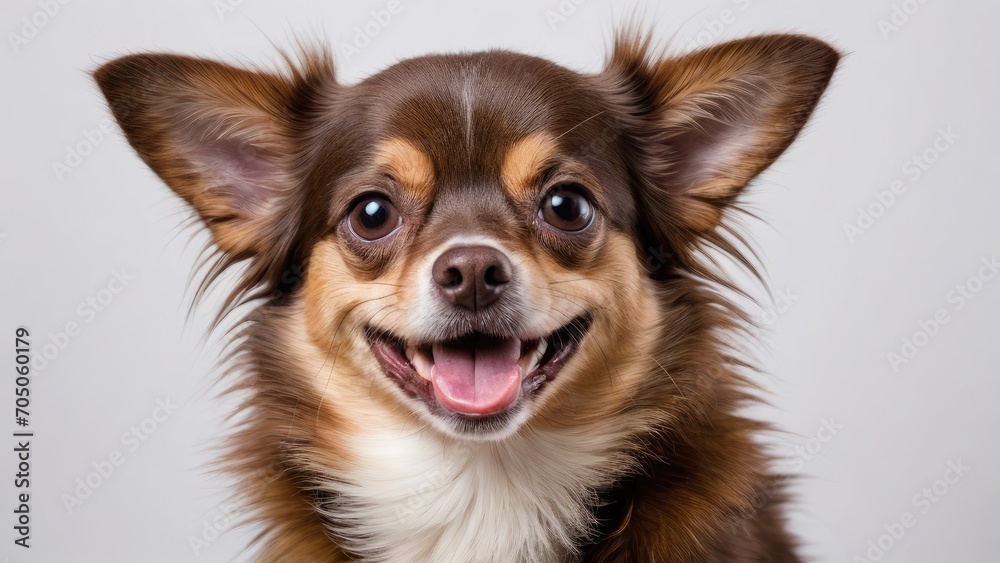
[415,495]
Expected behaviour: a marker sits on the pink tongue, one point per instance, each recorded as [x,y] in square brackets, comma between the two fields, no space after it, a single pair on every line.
[477,377]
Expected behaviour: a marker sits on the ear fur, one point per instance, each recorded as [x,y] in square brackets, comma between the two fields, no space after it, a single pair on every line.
[221,137]
[705,124]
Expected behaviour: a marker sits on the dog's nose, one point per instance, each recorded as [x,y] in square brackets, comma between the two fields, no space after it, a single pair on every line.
[472,277]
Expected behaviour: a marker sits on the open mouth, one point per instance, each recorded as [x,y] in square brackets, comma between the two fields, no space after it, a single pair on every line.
[476,375]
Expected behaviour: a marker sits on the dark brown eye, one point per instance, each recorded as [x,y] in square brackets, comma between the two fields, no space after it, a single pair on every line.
[566,208]
[372,218]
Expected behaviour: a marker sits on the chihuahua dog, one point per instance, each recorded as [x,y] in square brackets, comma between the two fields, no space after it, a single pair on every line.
[485,318]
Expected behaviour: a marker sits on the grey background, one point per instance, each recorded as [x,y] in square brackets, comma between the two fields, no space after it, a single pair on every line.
[826,354]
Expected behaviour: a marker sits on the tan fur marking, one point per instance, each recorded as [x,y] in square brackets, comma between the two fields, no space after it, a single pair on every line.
[524,161]
[337,309]
[408,164]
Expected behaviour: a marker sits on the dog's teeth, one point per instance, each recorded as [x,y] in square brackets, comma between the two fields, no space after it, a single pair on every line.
[543,346]
[421,363]
[529,361]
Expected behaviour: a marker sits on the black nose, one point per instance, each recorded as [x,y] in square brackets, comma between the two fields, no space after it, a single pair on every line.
[472,277]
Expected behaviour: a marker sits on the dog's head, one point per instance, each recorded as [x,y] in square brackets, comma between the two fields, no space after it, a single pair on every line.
[483,238]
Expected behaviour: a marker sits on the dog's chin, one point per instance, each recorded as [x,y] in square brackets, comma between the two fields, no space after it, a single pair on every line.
[477,386]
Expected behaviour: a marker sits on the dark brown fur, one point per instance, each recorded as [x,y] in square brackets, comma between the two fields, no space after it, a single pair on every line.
[271,161]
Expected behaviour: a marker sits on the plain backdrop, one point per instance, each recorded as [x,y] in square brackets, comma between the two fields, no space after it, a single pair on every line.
[871,437]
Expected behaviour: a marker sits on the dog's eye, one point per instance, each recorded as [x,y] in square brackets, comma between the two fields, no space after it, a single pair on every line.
[372,218]
[566,209]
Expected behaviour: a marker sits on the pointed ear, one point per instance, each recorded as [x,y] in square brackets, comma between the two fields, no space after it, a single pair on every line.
[709,122]
[220,137]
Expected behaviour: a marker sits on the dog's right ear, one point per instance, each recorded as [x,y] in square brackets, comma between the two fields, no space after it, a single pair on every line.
[220,137]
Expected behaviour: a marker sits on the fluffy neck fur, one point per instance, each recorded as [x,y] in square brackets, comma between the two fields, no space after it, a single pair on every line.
[418,496]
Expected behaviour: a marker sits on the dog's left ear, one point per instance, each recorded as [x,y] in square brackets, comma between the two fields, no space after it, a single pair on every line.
[707,123]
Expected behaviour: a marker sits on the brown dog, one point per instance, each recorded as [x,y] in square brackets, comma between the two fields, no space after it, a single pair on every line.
[461,347]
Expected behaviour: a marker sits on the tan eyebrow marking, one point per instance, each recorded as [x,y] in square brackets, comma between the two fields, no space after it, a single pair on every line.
[524,161]
[408,164]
